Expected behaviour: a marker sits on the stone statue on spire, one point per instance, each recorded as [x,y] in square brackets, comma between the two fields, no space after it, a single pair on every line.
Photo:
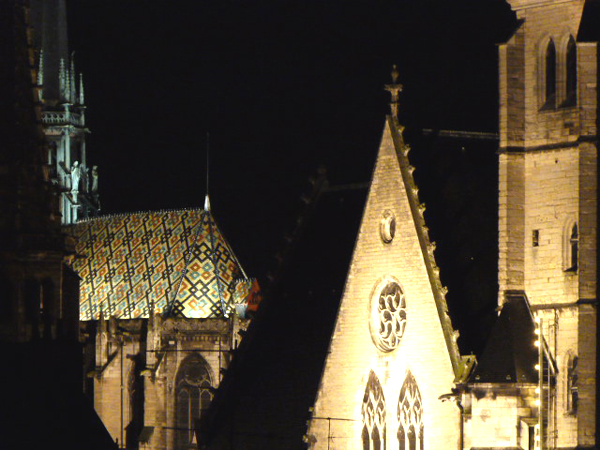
[394,89]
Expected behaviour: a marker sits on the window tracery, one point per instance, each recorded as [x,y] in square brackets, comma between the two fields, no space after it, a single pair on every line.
[373,415]
[388,320]
[410,416]
[193,396]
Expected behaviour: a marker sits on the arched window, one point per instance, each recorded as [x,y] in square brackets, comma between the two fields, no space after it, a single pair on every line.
[550,71]
[410,416]
[192,397]
[571,75]
[373,415]
[572,248]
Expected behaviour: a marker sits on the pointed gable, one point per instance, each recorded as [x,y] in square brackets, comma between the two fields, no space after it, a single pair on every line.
[392,322]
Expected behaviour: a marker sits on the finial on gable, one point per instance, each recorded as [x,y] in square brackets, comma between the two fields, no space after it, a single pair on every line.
[394,89]
[206,199]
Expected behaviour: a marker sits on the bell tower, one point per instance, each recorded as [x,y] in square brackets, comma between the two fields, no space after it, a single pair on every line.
[548,200]
[63,113]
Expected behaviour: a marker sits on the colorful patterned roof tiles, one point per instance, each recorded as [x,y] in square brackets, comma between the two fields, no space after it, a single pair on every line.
[174,262]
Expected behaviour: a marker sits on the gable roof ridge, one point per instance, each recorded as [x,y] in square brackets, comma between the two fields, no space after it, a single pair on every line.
[133,213]
[427,246]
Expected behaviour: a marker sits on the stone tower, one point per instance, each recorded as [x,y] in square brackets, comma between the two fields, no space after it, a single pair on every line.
[548,203]
[63,113]
[38,293]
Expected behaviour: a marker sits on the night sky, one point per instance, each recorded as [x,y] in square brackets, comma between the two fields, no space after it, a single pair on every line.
[281,86]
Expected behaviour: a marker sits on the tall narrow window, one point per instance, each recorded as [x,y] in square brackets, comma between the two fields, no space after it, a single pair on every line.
[410,416]
[572,393]
[192,397]
[571,78]
[136,405]
[572,250]
[550,100]
[373,414]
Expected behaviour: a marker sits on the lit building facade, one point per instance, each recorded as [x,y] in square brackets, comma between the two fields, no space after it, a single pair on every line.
[163,303]
[394,377]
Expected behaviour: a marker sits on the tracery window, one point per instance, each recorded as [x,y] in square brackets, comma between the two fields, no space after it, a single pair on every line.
[571,75]
[193,395]
[388,316]
[373,415]
[410,415]
[550,72]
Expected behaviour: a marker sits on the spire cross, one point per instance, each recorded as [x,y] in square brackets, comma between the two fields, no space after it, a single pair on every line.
[394,89]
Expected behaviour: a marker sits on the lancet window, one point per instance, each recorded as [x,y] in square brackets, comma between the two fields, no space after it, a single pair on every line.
[373,415]
[571,75]
[193,395]
[550,71]
[410,416]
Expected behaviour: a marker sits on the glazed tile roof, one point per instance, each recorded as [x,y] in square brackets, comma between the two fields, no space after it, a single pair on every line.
[175,262]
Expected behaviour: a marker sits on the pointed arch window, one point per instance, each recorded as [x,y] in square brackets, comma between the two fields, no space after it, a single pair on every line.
[571,75]
[192,397]
[550,75]
[373,415]
[410,415]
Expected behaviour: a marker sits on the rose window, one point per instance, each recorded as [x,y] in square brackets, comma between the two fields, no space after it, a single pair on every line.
[388,316]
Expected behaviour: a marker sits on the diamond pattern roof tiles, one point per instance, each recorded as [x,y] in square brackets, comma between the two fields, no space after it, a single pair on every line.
[175,262]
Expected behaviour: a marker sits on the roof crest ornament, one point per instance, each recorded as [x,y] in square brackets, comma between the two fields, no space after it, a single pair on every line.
[206,198]
[394,89]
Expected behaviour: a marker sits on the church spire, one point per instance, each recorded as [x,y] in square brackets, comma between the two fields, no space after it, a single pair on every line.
[63,114]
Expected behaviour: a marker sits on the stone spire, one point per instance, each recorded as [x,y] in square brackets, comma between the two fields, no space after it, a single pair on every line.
[63,113]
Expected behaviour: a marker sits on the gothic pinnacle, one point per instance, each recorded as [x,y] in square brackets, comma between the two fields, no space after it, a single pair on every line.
[72,92]
[81,94]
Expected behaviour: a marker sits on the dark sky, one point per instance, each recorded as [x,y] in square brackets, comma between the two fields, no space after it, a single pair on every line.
[282,86]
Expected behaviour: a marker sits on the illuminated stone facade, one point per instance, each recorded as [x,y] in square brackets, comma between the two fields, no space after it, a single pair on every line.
[163,300]
[535,385]
[393,353]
